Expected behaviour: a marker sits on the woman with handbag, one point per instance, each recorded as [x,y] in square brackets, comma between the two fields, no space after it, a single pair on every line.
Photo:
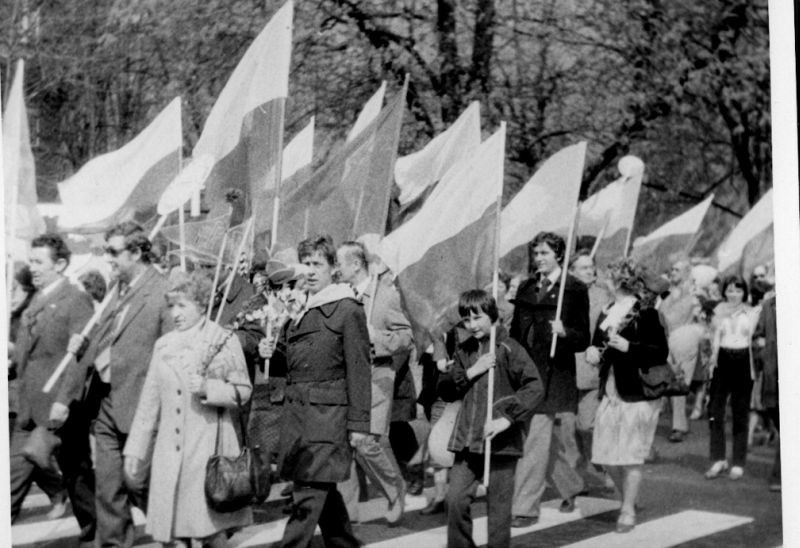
[197,377]
[732,372]
[629,339]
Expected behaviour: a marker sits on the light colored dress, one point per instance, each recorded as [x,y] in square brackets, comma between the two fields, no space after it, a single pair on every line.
[623,431]
[181,429]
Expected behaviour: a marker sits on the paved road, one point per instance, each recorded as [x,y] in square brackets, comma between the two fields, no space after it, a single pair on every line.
[678,508]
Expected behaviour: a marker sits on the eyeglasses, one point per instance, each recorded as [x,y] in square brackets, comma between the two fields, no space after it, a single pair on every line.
[113,251]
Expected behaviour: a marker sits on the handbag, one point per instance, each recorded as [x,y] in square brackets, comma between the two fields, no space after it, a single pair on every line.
[40,448]
[233,483]
[661,380]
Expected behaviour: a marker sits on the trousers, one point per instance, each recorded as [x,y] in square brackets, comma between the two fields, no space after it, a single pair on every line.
[317,503]
[731,378]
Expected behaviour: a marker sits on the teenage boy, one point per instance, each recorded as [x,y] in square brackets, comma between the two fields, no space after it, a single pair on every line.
[517,390]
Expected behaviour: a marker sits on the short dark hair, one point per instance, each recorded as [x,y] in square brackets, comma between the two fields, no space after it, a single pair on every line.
[320,242]
[735,281]
[195,286]
[477,301]
[56,244]
[358,251]
[94,284]
[553,241]
[135,239]
[582,252]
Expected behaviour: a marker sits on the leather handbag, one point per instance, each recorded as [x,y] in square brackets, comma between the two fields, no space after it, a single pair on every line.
[40,448]
[661,380]
[233,483]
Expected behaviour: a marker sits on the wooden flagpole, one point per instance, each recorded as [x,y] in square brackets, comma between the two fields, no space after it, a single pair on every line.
[599,238]
[62,365]
[276,204]
[182,236]
[563,281]
[487,456]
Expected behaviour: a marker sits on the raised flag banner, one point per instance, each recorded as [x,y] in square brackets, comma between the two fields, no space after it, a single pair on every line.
[125,184]
[244,130]
[448,247]
[611,211]
[299,153]
[546,202]
[23,222]
[370,111]
[662,247]
[349,195]
[417,171]
[751,242]
[204,238]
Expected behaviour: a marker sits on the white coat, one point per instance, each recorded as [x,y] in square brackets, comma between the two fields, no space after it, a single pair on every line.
[183,427]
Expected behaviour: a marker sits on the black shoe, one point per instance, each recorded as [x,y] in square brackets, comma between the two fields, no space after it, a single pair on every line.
[567,506]
[524,521]
[433,507]
[677,436]
[287,491]
[415,488]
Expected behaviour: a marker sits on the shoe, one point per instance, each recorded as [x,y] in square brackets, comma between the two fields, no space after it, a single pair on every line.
[524,521]
[433,507]
[736,473]
[677,436]
[415,488]
[287,491]
[626,523]
[567,506]
[716,469]
[59,507]
[397,507]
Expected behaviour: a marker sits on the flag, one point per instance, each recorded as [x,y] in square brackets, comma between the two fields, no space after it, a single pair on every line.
[349,195]
[661,248]
[298,154]
[417,171]
[244,130]
[613,207]
[203,239]
[546,202]
[449,246]
[751,242]
[370,111]
[23,222]
[127,183]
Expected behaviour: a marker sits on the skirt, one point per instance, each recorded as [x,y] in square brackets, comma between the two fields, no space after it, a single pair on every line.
[623,431]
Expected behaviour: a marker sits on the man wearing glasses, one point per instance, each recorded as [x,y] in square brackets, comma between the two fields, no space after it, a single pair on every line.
[119,350]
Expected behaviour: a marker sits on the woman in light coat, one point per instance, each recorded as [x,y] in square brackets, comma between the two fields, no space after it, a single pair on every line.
[190,389]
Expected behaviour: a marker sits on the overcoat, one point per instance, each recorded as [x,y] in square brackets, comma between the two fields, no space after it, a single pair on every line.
[530,326]
[45,329]
[328,384]
[767,327]
[181,429]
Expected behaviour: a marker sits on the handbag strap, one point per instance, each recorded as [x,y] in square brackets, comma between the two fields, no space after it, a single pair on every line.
[242,425]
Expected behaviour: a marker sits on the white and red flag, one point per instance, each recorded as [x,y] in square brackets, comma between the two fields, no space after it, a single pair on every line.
[449,246]
[124,184]
[751,242]
[545,203]
[23,221]
[370,111]
[610,212]
[662,247]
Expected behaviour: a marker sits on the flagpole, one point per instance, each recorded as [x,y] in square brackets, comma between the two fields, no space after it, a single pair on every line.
[12,223]
[239,251]
[182,236]
[598,239]
[487,456]
[220,257]
[276,204]
[563,283]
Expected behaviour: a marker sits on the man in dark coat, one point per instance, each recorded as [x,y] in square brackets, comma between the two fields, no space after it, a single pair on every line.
[118,353]
[327,399]
[534,322]
[57,311]
[765,340]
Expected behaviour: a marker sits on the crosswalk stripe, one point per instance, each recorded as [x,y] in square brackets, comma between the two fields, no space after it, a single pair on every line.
[667,531]
[549,517]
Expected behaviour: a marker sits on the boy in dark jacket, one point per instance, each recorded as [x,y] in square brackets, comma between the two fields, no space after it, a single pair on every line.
[517,391]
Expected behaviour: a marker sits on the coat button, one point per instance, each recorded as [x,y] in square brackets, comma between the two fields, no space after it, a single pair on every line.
[177,448]
[178,410]
[179,391]
[177,430]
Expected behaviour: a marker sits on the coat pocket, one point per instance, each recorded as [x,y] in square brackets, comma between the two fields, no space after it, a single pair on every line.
[327,415]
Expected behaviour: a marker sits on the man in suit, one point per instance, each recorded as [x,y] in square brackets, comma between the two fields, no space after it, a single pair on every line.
[545,455]
[119,350]
[58,310]
[390,345]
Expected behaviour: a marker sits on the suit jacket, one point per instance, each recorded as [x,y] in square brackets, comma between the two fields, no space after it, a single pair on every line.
[132,341]
[531,327]
[44,331]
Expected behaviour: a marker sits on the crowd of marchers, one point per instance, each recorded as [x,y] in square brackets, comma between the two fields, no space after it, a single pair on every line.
[310,352]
